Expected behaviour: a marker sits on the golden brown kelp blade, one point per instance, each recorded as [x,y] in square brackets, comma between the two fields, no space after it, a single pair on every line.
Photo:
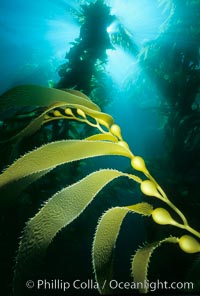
[34,95]
[141,260]
[58,212]
[33,126]
[105,242]
[50,156]
[77,93]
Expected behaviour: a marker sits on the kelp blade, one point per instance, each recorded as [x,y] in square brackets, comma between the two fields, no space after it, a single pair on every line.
[103,246]
[140,262]
[57,213]
[34,95]
[34,125]
[105,241]
[50,156]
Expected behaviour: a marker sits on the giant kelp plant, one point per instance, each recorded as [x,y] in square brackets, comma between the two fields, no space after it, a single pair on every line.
[87,55]
[175,69]
[84,69]
[68,204]
[172,61]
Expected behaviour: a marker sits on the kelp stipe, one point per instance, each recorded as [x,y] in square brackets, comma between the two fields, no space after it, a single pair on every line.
[66,205]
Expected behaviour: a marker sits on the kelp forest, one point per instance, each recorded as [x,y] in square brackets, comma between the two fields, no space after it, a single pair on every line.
[71,225]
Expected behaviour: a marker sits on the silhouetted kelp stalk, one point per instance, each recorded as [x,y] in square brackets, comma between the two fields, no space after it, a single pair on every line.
[66,205]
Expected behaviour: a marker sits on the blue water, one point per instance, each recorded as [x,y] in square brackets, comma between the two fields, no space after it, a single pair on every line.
[35,36]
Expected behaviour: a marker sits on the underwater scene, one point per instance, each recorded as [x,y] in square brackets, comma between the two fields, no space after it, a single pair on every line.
[100,147]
